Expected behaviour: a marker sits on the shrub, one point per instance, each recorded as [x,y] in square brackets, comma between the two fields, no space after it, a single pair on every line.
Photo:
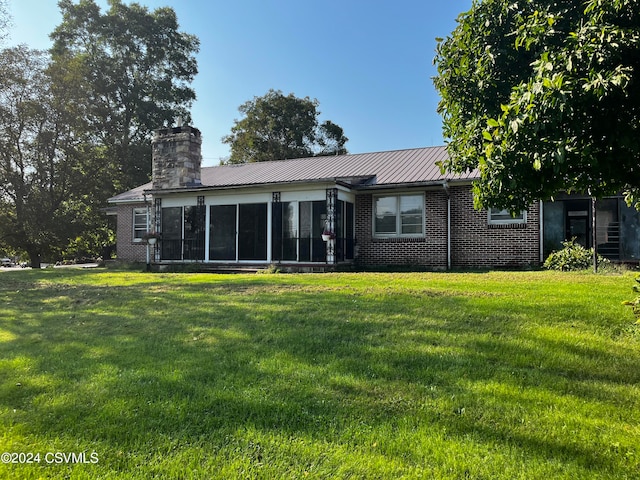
[572,257]
[635,303]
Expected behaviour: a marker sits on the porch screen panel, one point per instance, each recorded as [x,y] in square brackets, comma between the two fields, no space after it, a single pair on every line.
[629,233]
[284,232]
[608,228]
[171,244]
[276,231]
[312,216]
[222,234]
[304,215]
[252,231]
[339,230]
[194,218]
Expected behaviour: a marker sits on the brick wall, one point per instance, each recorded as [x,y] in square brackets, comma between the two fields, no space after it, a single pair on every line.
[127,249]
[474,243]
[429,252]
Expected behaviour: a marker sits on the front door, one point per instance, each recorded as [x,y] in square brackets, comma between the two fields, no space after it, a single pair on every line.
[578,222]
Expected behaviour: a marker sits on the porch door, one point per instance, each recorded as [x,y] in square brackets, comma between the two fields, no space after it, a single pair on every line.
[252,231]
[222,233]
[312,216]
[194,219]
[284,231]
[171,245]
[578,223]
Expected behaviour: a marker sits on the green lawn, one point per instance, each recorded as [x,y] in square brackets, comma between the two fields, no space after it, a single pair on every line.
[532,375]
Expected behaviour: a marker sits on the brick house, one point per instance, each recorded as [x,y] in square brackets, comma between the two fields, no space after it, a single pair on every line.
[379,209]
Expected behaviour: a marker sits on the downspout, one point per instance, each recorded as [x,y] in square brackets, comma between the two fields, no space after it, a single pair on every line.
[445,185]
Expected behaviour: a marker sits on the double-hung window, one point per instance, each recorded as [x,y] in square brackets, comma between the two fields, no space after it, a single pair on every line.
[140,223]
[504,217]
[399,216]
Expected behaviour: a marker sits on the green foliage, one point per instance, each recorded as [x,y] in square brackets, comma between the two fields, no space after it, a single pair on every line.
[75,122]
[279,127]
[134,68]
[542,97]
[635,303]
[573,256]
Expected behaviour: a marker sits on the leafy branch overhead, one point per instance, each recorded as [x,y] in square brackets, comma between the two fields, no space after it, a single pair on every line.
[542,97]
[278,127]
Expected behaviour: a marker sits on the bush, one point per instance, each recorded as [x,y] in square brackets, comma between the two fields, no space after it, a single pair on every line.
[635,303]
[572,257]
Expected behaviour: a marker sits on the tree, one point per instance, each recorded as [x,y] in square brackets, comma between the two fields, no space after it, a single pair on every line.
[542,97]
[41,157]
[278,127]
[135,68]
[5,20]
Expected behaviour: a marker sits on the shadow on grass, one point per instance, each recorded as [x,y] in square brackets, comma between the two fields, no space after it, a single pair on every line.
[145,366]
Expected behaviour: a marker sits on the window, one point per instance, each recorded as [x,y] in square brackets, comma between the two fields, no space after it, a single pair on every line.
[140,223]
[504,217]
[399,215]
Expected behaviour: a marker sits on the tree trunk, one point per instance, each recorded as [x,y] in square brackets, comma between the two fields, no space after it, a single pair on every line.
[34,256]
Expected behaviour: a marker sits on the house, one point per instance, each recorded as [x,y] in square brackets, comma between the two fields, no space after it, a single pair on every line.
[391,208]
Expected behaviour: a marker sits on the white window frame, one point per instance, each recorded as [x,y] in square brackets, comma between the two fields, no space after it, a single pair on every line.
[398,231]
[521,220]
[137,227]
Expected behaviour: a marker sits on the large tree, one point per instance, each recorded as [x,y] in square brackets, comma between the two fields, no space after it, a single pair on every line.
[277,126]
[42,156]
[135,68]
[542,97]
[5,20]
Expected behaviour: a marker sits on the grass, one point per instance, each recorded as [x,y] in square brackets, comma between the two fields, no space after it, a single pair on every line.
[488,375]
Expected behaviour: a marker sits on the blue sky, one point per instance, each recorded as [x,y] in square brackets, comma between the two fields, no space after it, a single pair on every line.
[368,63]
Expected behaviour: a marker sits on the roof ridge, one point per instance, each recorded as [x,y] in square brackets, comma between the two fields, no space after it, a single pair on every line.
[345,155]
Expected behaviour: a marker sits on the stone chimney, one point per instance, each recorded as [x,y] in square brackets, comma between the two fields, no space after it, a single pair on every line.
[177,158]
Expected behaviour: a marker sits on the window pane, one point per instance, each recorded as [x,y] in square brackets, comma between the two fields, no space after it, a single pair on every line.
[505,216]
[411,204]
[411,214]
[386,224]
[386,206]
[140,226]
[386,215]
[411,224]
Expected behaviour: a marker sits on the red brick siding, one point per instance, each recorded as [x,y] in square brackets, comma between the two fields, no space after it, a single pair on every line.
[430,251]
[475,243]
[127,249]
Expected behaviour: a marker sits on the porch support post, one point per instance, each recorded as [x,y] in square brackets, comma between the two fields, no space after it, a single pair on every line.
[332,201]
[541,237]
[157,220]
[594,237]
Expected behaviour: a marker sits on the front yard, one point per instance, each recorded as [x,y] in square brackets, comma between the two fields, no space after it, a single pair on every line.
[109,374]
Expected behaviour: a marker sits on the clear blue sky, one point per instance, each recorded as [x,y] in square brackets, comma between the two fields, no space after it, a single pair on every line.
[368,62]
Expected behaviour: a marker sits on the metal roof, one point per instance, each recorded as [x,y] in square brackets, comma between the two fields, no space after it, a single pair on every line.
[397,167]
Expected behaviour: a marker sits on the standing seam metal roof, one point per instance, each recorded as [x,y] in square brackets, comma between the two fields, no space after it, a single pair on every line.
[397,167]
